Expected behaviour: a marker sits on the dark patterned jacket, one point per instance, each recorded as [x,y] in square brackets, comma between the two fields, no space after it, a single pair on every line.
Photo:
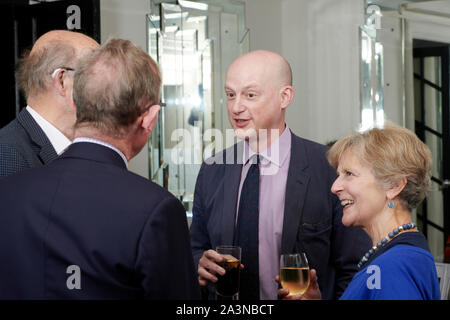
[23,145]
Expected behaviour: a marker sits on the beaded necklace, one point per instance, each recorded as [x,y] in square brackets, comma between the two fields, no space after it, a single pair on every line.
[385,240]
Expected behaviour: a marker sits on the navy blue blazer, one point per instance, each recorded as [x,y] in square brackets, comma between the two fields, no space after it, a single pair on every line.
[23,145]
[312,214]
[127,236]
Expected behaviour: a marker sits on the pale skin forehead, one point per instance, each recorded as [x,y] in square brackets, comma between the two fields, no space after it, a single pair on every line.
[260,66]
[78,40]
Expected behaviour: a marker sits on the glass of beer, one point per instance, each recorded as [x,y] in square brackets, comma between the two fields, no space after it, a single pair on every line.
[294,273]
[227,286]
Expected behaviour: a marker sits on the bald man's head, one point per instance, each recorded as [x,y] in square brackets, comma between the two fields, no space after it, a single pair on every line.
[258,86]
[275,67]
[55,49]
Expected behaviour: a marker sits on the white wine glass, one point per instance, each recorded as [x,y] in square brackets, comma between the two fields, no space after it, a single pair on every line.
[294,273]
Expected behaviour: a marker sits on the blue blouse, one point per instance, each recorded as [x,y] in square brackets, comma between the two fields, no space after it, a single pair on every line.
[404,270]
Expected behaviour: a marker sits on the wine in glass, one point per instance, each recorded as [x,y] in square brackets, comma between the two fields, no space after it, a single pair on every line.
[227,286]
[294,273]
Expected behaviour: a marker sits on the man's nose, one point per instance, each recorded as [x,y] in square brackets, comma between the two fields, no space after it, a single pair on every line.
[237,105]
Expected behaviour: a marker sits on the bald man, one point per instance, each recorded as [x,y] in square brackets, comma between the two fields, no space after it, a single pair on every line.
[89,228]
[44,129]
[293,210]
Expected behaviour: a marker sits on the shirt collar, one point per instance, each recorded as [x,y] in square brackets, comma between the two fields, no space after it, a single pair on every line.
[102,143]
[276,153]
[58,140]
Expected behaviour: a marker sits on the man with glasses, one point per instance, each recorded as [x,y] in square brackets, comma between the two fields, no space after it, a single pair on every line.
[44,129]
[90,229]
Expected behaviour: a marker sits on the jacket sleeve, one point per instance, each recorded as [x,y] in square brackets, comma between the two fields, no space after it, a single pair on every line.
[199,234]
[164,256]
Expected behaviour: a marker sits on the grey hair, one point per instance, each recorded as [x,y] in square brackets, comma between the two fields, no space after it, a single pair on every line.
[393,153]
[112,84]
[35,67]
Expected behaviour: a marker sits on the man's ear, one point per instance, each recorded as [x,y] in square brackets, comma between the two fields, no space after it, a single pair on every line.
[58,82]
[395,190]
[287,94]
[150,117]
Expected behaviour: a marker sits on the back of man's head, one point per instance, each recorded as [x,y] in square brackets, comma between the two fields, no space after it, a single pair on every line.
[113,85]
[55,49]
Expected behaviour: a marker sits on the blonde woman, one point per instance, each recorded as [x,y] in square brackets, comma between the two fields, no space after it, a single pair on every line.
[383,174]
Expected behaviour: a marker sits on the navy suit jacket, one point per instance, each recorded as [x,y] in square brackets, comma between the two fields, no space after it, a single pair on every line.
[312,214]
[23,145]
[128,236]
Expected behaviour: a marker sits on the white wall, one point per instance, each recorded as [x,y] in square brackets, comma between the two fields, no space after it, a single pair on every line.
[127,20]
[320,39]
[390,36]
[263,18]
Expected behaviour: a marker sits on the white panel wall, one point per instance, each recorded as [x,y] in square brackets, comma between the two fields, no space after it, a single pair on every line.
[390,37]
[263,18]
[320,39]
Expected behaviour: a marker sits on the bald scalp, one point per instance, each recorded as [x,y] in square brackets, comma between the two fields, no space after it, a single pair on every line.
[75,39]
[276,67]
[54,49]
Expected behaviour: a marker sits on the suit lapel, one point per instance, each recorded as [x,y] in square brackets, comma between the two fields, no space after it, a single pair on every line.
[46,153]
[231,181]
[296,188]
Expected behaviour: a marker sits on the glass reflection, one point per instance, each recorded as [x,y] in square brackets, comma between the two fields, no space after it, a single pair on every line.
[192,42]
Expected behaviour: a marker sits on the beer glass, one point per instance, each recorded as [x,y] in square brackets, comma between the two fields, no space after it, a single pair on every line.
[294,273]
[227,286]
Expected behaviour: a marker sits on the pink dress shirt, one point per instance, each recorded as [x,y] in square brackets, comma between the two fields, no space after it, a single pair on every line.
[274,168]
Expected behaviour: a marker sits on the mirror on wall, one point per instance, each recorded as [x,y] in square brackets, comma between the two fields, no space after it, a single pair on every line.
[193,42]
[372,93]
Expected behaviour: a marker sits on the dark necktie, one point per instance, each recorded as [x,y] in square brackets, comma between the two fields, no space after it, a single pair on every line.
[246,235]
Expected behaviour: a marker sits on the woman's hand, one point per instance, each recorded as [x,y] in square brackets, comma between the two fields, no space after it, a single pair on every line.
[312,293]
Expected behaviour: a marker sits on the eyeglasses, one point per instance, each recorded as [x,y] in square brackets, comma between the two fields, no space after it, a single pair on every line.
[55,72]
